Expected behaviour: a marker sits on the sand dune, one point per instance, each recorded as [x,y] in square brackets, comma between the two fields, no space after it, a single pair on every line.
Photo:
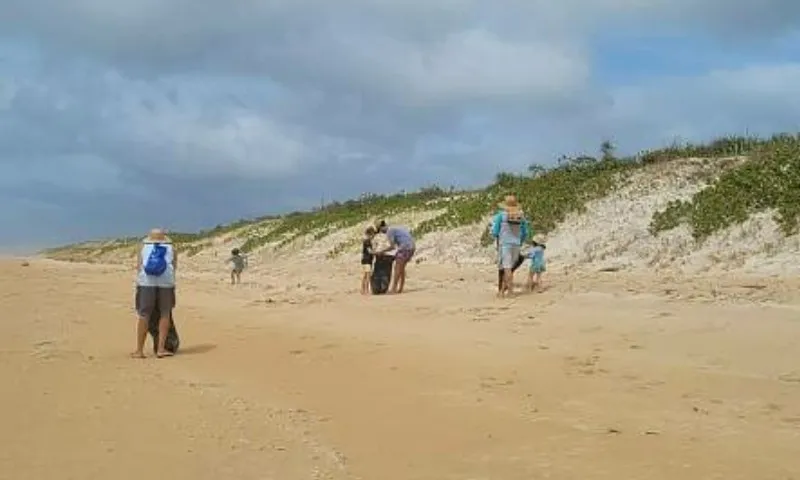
[292,375]
[612,232]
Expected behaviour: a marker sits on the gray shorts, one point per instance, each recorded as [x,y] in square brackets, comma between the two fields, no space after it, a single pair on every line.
[149,299]
[508,256]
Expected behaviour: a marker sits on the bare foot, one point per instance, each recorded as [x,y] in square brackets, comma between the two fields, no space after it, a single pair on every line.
[138,355]
[165,353]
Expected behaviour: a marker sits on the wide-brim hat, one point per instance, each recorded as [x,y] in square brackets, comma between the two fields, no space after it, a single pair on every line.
[509,202]
[512,207]
[157,235]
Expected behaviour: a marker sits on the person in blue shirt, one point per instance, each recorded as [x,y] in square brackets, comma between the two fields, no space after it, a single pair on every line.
[510,229]
[517,264]
[538,263]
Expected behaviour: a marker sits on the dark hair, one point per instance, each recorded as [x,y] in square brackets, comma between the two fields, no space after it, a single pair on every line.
[382,224]
[370,230]
[235,251]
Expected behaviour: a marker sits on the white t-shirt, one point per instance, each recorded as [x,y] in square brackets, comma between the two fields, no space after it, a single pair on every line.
[166,279]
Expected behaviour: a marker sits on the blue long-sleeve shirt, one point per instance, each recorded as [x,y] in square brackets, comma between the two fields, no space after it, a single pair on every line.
[507,233]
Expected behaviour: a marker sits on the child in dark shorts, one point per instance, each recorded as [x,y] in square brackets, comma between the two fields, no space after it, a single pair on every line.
[367,257]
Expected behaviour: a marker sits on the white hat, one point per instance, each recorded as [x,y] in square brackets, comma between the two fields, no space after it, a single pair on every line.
[157,235]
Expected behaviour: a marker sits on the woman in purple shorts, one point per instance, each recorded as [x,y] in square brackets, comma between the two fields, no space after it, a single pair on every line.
[401,239]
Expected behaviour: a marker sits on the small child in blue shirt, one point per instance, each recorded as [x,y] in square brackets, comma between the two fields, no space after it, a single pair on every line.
[538,263]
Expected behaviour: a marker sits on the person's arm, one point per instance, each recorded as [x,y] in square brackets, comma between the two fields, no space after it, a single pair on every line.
[524,231]
[138,261]
[174,260]
[387,249]
[496,221]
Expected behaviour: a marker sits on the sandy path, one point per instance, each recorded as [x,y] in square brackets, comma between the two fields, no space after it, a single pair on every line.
[289,379]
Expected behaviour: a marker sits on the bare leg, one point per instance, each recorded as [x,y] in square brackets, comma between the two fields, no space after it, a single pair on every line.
[163,329]
[509,282]
[401,279]
[395,277]
[141,336]
[233,277]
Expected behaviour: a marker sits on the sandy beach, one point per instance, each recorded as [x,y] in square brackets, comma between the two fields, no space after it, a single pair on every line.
[293,375]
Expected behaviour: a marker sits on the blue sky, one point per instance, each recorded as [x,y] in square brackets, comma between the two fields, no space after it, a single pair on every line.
[116,116]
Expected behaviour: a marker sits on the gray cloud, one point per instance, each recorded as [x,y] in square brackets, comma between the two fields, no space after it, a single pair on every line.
[110,111]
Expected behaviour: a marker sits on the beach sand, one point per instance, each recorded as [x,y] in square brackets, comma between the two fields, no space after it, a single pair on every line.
[293,375]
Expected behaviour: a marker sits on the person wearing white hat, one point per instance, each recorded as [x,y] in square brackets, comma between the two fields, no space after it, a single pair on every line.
[155,288]
[509,229]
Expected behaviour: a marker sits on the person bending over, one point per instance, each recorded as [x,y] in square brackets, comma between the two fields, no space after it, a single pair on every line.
[401,239]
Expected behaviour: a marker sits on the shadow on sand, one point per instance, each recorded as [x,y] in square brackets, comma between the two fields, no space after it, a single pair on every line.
[197,349]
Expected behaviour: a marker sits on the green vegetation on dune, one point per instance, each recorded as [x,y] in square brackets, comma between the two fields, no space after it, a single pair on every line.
[338,215]
[547,194]
[730,146]
[768,180]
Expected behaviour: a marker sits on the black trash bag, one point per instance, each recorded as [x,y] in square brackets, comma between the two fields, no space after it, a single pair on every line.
[173,340]
[381,274]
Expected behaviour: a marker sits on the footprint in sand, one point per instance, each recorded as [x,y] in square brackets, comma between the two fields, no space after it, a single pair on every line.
[490,383]
[529,322]
[791,377]
[584,366]
[791,420]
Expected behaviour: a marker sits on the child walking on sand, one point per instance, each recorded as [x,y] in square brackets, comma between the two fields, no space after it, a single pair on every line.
[538,263]
[367,257]
[238,263]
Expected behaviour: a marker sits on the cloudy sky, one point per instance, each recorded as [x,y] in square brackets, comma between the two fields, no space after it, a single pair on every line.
[116,115]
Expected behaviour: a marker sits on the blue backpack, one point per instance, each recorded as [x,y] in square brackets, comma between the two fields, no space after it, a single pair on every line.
[157,261]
